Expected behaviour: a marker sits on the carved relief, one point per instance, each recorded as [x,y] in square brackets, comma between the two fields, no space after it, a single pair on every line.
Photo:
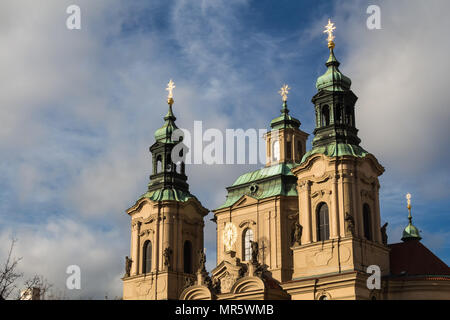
[246,223]
[146,232]
[226,283]
[322,258]
[321,193]
[135,225]
[144,287]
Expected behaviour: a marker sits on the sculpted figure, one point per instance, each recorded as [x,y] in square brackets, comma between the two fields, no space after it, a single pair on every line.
[255,249]
[201,261]
[350,222]
[166,254]
[384,237]
[128,263]
[297,236]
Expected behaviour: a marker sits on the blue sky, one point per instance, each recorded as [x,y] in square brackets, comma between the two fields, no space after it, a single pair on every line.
[79,109]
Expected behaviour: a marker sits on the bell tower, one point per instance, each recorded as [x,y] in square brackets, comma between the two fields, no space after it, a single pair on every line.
[166,225]
[285,142]
[338,189]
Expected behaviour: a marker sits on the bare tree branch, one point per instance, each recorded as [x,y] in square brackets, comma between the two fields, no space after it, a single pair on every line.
[36,283]
[8,273]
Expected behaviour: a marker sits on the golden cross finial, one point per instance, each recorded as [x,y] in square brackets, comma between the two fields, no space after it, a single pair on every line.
[329,28]
[284,91]
[408,199]
[170,87]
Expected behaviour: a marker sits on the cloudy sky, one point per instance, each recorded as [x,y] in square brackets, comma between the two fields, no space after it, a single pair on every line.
[78,109]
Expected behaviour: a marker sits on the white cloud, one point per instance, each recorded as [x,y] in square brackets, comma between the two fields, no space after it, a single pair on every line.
[48,249]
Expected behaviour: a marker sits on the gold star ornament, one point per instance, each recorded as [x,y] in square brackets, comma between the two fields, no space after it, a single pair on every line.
[329,28]
[170,87]
[408,199]
[284,91]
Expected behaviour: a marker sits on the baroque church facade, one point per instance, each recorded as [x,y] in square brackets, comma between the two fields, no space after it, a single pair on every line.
[304,227]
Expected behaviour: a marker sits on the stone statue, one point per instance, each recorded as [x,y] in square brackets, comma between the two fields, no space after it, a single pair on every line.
[215,286]
[166,254]
[384,237]
[201,261]
[297,236]
[128,263]
[255,249]
[350,222]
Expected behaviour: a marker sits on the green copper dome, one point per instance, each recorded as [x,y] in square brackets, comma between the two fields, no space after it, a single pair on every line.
[410,232]
[333,79]
[164,134]
[337,149]
[284,120]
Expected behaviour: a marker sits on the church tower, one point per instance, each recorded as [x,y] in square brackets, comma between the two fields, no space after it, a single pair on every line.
[166,225]
[262,205]
[338,189]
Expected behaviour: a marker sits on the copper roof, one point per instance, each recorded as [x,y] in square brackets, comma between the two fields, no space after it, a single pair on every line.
[413,258]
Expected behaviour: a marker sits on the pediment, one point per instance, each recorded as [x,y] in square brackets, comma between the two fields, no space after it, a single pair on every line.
[245,200]
[248,284]
[196,293]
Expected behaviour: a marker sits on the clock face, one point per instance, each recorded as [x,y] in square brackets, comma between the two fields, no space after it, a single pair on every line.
[229,236]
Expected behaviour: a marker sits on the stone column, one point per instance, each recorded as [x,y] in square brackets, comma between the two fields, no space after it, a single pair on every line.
[305,211]
[377,214]
[135,245]
[335,207]
[348,199]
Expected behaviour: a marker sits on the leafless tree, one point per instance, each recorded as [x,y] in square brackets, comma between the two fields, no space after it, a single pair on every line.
[9,277]
[39,283]
[9,274]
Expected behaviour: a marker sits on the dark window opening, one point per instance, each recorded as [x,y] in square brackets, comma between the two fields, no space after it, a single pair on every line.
[323,229]
[366,221]
[289,150]
[338,113]
[325,116]
[187,257]
[147,257]
[349,115]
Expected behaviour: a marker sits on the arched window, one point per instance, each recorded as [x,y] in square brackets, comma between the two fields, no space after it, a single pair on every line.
[338,114]
[187,257]
[325,116]
[366,221]
[147,257]
[276,150]
[323,297]
[299,149]
[168,163]
[247,245]
[288,150]
[158,164]
[349,115]
[323,229]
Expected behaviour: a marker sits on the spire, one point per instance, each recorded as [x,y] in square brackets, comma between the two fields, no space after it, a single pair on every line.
[284,120]
[164,134]
[410,232]
[334,103]
[168,180]
[332,79]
